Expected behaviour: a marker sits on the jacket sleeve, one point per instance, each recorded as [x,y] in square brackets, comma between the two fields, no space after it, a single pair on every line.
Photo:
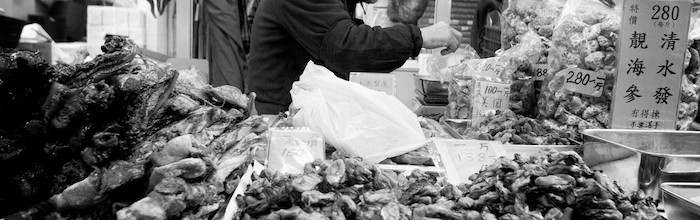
[325,29]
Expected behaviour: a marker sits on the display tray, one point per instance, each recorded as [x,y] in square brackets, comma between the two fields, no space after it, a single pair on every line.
[682,200]
[643,159]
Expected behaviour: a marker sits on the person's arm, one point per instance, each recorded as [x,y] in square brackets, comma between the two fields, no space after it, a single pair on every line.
[325,29]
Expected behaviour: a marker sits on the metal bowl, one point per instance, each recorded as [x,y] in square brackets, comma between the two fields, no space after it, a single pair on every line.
[682,200]
[643,159]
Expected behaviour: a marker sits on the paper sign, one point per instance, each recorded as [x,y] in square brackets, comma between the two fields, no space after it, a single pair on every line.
[382,82]
[491,67]
[653,42]
[584,81]
[541,71]
[291,148]
[489,96]
[462,158]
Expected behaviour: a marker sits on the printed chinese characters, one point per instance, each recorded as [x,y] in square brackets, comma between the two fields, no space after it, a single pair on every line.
[638,40]
[645,119]
[662,95]
[632,93]
[669,41]
[636,67]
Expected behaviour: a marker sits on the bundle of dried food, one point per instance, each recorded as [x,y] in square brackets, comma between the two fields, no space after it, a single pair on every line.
[508,127]
[477,85]
[502,82]
[547,185]
[106,122]
[342,188]
[688,106]
[521,59]
[24,84]
[585,39]
[558,185]
[523,15]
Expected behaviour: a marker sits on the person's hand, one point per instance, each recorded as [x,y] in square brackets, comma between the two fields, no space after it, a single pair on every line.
[441,35]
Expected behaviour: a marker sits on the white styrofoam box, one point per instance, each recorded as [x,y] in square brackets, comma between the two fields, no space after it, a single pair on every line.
[121,19]
[109,17]
[138,35]
[94,15]
[136,19]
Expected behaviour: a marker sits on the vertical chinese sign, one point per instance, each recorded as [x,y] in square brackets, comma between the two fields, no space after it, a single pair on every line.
[652,50]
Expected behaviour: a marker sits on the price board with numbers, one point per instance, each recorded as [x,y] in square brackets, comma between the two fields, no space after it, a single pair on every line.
[541,71]
[382,82]
[462,158]
[653,41]
[489,96]
[584,81]
[289,149]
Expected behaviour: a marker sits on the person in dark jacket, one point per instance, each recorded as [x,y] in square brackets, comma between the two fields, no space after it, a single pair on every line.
[287,34]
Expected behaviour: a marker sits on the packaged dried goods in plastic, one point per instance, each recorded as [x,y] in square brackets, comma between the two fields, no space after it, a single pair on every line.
[483,84]
[523,15]
[583,54]
[443,67]
[501,82]
[690,84]
[522,59]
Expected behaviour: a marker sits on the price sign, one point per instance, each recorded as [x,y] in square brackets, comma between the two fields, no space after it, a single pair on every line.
[462,158]
[382,82]
[489,96]
[652,42]
[584,81]
[291,148]
[490,67]
[542,70]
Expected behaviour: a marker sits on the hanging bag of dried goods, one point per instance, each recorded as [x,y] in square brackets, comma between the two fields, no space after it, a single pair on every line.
[467,91]
[521,16]
[522,60]
[583,52]
[355,120]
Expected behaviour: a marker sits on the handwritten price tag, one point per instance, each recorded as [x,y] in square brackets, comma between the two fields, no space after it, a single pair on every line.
[489,96]
[291,148]
[542,70]
[584,81]
[490,67]
[382,82]
[462,158]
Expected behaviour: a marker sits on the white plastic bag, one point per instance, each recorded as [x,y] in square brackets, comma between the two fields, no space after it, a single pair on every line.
[355,120]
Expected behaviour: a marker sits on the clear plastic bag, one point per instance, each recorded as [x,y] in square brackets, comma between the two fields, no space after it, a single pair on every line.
[690,84]
[521,16]
[443,67]
[510,68]
[357,121]
[585,38]
[521,60]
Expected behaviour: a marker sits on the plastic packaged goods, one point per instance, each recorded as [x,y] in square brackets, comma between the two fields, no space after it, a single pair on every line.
[482,85]
[688,106]
[583,52]
[497,83]
[523,15]
[443,67]
[523,59]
